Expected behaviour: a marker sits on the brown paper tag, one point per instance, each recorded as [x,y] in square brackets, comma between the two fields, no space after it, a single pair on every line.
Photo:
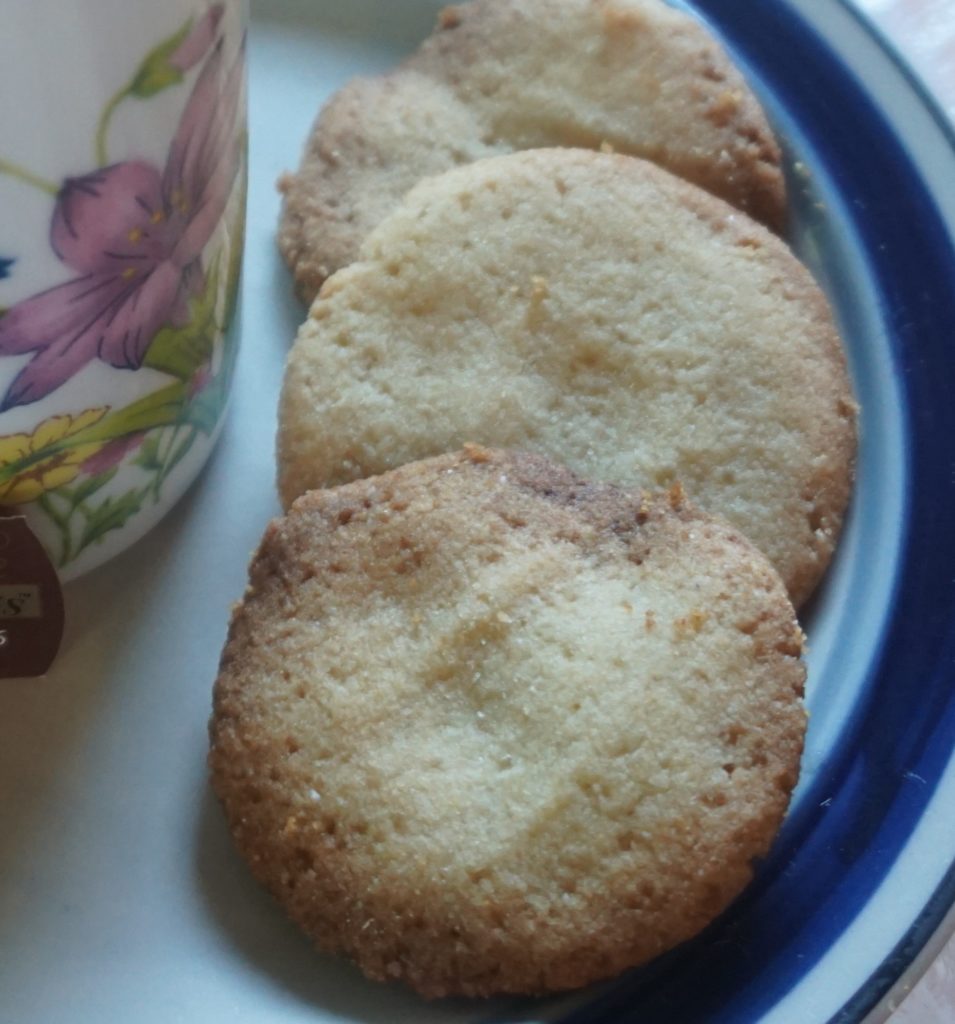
[31,602]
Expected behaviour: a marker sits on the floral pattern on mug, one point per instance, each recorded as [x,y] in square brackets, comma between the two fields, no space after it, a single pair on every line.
[144,294]
[43,465]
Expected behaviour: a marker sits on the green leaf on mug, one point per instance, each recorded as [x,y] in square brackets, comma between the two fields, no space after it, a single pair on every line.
[148,457]
[237,240]
[160,409]
[156,71]
[181,451]
[90,486]
[181,351]
[110,514]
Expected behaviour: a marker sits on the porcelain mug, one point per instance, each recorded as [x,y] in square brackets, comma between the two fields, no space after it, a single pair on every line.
[122,203]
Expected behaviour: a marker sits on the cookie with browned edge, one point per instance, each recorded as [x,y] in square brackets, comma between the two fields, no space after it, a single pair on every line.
[485,728]
[504,75]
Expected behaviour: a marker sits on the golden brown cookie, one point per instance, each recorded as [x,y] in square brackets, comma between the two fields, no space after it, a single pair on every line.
[504,75]
[484,727]
[601,311]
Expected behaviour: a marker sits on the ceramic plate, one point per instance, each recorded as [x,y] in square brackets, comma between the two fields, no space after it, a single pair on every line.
[120,896]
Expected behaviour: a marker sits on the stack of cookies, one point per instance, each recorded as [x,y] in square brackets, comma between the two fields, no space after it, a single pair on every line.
[514,698]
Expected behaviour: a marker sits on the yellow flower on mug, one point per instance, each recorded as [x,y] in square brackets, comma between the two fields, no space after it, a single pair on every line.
[45,472]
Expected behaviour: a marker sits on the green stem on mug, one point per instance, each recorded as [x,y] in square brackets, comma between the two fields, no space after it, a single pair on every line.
[62,524]
[102,129]
[171,435]
[20,173]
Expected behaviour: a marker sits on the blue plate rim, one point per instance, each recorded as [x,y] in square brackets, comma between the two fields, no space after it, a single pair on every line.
[894,967]
[939,240]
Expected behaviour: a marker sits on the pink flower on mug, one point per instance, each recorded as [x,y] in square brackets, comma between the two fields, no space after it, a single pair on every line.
[197,41]
[135,236]
[200,380]
[167,63]
[112,453]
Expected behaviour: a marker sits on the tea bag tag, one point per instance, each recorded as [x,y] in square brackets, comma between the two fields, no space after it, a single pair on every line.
[31,602]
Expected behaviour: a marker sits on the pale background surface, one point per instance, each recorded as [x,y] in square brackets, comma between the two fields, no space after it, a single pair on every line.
[924,32]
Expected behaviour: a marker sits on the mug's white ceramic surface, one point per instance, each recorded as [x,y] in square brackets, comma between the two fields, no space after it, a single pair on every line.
[122,200]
